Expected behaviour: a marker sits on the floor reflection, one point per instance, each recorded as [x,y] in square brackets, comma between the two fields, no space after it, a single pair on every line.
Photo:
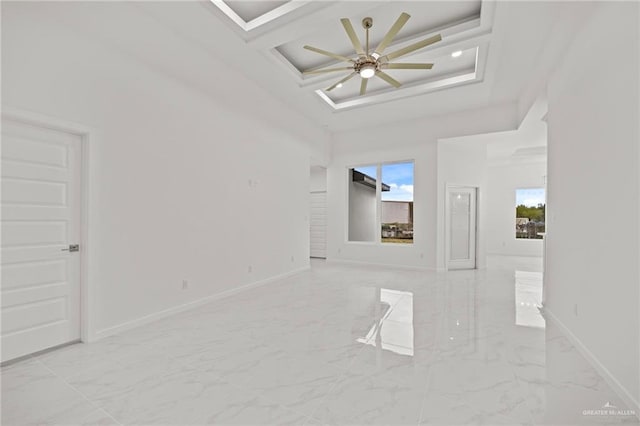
[528,298]
[460,317]
[461,347]
[494,363]
[393,330]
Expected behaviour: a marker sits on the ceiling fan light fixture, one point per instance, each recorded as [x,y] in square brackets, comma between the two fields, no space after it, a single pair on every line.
[456,54]
[368,65]
[367,71]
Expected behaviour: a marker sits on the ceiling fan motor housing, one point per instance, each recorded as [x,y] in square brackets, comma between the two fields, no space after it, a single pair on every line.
[367,62]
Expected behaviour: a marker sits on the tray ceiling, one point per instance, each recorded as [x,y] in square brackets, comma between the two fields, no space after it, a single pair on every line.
[250,10]
[507,49]
[463,27]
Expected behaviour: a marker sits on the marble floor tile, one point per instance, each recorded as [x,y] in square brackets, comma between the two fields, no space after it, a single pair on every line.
[439,410]
[75,359]
[32,394]
[339,344]
[98,418]
[258,411]
[113,380]
[183,397]
[357,399]
[393,367]
[299,384]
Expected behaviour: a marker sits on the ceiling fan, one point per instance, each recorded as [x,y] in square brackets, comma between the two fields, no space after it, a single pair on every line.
[369,64]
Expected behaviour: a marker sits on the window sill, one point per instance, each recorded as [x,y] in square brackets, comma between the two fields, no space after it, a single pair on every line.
[379,244]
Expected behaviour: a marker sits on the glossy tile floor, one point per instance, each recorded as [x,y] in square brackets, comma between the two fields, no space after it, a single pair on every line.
[339,344]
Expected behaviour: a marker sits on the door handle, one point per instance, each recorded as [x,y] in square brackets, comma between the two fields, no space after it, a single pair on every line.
[72,248]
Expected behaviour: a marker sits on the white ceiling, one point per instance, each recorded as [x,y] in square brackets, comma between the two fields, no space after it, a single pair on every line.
[250,10]
[262,40]
[444,67]
[426,17]
[464,25]
[525,145]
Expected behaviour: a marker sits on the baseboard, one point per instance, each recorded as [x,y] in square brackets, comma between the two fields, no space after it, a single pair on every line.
[191,305]
[514,255]
[382,265]
[38,353]
[617,387]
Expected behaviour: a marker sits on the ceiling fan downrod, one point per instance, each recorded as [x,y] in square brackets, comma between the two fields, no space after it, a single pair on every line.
[366,24]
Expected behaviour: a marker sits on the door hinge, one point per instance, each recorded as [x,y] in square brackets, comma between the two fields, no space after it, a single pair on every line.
[72,248]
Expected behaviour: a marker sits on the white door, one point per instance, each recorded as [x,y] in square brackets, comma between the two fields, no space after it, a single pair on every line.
[461,227]
[40,220]
[318,224]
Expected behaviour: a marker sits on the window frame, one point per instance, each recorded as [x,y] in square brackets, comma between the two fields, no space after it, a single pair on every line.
[378,233]
[515,199]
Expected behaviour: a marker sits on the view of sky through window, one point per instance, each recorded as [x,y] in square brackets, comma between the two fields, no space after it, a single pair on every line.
[370,171]
[399,177]
[530,197]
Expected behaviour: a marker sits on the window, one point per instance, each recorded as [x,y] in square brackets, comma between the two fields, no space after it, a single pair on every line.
[397,203]
[381,200]
[362,203]
[530,213]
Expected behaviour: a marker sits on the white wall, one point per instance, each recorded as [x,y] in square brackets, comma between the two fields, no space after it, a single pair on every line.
[416,254]
[462,161]
[515,160]
[183,186]
[412,140]
[502,182]
[593,165]
[479,161]
[318,179]
[496,163]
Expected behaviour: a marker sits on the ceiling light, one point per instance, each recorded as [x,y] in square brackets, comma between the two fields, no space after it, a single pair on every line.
[367,71]
[339,85]
[368,63]
[456,53]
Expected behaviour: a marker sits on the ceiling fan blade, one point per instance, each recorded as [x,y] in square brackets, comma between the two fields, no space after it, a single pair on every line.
[329,54]
[393,31]
[346,23]
[363,86]
[412,47]
[386,77]
[407,66]
[326,70]
[342,81]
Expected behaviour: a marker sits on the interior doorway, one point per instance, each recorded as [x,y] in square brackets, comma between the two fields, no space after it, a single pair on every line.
[461,225]
[318,212]
[41,232]
[318,225]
